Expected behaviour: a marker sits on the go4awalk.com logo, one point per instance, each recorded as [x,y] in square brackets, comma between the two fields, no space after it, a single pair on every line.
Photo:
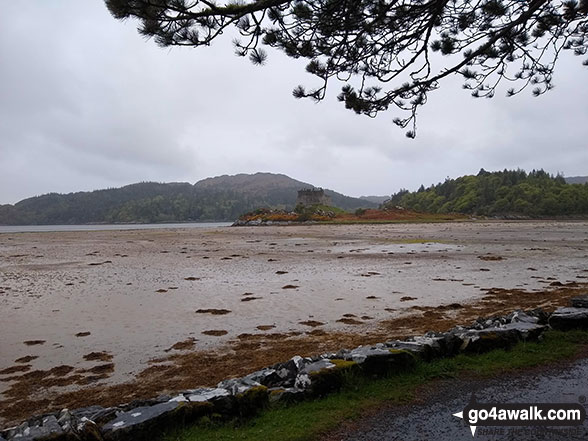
[478,414]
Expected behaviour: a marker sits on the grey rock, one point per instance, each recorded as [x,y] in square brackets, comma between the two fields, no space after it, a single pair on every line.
[498,337]
[48,428]
[430,346]
[12,431]
[87,430]
[383,358]
[287,376]
[569,318]
[441,344]
[270,377]
[527,330]
[303,361]
[432,341]
[293,364]
[317,366]
[580,301]
[287,395]
[238,386]
[541,315]
[97,414]
[285,373]
[422,350]
[361,353]
[342,354]
[136,423]
[521,316]
[144,402]
[449,343]
[302,381]
[319,378]
[221,398]
[66,420]
[207,394]
[484,323]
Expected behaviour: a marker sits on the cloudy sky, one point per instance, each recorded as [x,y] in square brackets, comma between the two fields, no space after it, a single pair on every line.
[87,103]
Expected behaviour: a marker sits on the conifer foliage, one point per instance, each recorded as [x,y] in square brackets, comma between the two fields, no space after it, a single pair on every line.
[502,193]
[384,52]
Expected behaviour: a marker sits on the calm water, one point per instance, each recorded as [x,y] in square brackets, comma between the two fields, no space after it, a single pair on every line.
[38,228]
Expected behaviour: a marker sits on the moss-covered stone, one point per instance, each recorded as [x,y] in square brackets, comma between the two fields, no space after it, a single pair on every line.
[492,340]
[343,364]
[276,392]
[210,419]
[396,351]
[331,379]
[325,381]
[252,401]
[394,360]
[565,319]
[288,396]
[502,337]
[89,431]
[188,412]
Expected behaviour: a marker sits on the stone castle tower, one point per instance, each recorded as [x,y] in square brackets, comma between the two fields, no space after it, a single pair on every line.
[312,196]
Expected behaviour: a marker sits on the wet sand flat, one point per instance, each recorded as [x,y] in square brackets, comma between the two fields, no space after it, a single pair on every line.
[117,314]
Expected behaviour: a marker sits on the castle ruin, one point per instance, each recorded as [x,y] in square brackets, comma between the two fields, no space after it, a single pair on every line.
[312,196]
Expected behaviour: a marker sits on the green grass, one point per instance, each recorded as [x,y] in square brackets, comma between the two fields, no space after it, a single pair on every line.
[308,420]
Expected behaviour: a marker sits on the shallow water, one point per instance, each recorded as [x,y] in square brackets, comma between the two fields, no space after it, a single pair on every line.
[106,227]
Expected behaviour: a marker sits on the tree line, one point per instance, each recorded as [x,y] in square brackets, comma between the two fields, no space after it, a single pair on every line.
[150,202]
[502,193]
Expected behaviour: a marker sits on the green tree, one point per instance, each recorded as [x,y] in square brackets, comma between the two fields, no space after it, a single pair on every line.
[500,193]
[383,50]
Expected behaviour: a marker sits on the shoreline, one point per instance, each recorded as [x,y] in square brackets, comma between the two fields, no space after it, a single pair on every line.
[457,272]
[50,228]
[156,382]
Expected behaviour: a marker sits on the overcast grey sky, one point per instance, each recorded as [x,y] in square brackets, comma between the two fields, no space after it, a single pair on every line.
[87,103]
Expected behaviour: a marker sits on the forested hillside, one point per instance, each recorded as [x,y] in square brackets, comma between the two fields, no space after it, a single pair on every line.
[577,179]
[508,192]
[223,198]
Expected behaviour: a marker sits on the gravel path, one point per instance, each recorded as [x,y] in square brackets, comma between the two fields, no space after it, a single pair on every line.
[433,420]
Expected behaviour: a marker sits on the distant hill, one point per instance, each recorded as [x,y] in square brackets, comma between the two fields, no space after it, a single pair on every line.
[375,199]
[223,198]
[503,193]
[577,179]
[275,190]
[258,183]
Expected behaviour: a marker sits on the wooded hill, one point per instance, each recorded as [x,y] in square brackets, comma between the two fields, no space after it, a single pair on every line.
[222,198]
[503,193]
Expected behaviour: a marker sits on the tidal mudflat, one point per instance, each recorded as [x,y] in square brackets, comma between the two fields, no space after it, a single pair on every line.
[103,317]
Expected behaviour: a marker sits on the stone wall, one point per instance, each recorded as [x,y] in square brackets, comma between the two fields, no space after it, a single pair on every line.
[312,196]
[296,379]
